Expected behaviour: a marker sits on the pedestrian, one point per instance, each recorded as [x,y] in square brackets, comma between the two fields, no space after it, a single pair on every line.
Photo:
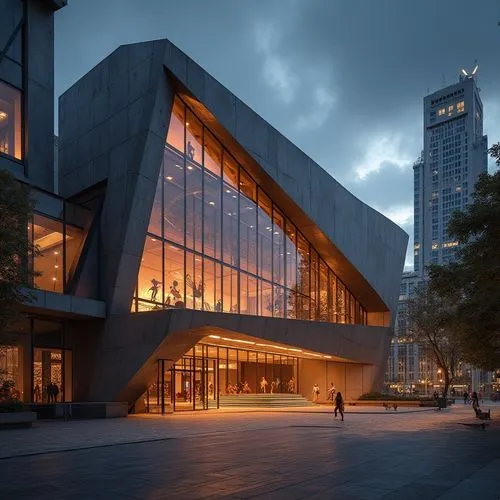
[339,405]
[315,393]
[475,402]
[466,397]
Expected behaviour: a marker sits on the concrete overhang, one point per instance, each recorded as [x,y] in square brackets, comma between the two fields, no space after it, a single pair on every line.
[69,306]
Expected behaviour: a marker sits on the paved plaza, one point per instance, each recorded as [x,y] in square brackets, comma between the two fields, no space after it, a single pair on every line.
[270,454]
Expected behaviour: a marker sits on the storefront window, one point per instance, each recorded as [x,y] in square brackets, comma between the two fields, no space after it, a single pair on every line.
[10,121]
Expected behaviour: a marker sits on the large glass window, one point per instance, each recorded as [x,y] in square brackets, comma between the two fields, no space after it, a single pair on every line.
[10,121]
[48,237]
[150,284]
[265,231]
[217,242]
[173,197]
[175,136]
[248,223]
[230,224]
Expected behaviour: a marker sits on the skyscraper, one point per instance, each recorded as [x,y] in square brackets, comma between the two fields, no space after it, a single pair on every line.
[455,153]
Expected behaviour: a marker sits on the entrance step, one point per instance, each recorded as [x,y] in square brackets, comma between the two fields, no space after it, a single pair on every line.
[263,401]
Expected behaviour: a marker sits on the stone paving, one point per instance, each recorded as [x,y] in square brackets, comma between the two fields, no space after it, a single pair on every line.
[276,455]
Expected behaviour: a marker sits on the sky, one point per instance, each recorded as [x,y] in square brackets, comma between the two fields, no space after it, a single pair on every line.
[343,80]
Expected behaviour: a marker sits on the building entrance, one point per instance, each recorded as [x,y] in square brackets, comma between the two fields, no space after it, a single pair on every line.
[205,373]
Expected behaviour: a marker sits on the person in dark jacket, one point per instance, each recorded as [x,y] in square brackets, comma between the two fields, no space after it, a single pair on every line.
[339,405]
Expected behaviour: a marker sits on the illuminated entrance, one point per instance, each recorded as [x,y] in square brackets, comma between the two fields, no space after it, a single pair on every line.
[208,372]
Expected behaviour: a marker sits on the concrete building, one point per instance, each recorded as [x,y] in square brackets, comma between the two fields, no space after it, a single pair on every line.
[194,253]
[454,155]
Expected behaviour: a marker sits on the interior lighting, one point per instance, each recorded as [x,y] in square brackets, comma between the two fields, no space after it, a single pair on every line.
[239,341]
[56,253]
[325,356]
[187,124]
[56,266]
[3,115]
[54,279]
[228,190]
[190,167]
[169,178]
[211,203]
[294,350]
[214,336]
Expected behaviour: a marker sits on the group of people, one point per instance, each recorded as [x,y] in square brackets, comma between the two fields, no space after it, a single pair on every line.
[51,390]
[333,396]
[277,385]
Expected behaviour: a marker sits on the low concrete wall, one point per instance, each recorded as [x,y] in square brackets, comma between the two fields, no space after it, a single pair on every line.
[17,419]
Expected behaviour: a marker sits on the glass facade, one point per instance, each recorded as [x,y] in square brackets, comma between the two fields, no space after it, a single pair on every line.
[36,355]
[217,242]
[10,121]
[58,235]
[208,372]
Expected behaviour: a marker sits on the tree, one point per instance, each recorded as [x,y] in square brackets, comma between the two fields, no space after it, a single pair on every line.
[432,324]
[473,281]
[16,275]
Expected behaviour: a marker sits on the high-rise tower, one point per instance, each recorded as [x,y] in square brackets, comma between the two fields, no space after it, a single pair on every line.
[455,153]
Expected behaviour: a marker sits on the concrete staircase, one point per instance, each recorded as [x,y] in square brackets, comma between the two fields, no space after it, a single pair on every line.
[264,401]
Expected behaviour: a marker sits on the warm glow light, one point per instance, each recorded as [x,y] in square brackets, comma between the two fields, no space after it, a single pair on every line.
[56,253]
[54,279]
[325,356]
[239,340]
[214,336]
[56,266]
[294,350]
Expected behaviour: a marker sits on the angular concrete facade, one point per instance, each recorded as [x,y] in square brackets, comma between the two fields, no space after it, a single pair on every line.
[79,333]
[113,127]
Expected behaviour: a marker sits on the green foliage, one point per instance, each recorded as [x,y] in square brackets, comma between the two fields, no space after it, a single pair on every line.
[433,324]
[16,210]
[9,398]
[473,283]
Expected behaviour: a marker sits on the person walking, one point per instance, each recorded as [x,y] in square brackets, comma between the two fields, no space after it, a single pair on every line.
[466,397]
[475,402]
[339,405]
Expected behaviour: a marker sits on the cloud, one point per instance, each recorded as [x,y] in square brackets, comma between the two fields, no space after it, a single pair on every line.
[402,215]
[382,149]
[276,70]
[323,103]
